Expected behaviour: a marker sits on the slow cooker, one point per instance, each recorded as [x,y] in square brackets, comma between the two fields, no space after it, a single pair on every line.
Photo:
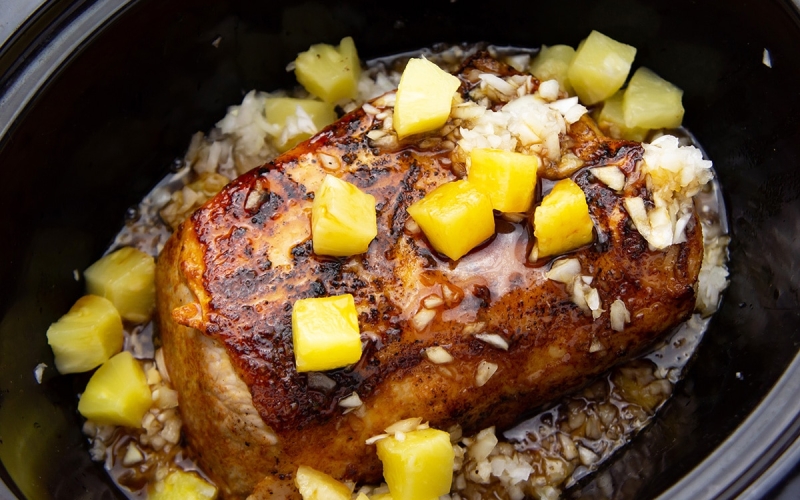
[99,97]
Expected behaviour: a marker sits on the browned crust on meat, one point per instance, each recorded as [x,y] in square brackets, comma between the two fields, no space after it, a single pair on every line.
[233,270]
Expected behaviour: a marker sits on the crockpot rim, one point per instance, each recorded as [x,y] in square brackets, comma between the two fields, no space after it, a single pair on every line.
[744,465]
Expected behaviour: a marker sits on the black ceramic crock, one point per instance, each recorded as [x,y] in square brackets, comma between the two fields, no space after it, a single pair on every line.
[97,98]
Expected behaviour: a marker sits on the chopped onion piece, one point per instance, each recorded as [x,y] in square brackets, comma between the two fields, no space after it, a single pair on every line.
[498,84]
[611,176]
[351,401]
[432,301]
[484,443]
[407,425]
[485,371]
[38,372]
[473,328]
[574,113]
[564,270]
[493,339]
[564,105]
[375,439]
[655,227]
[596,346]
[370,109]
[549,90]
[619,315]
[680,228]
[132,456]
[438,355]
[568,448]
[660,228]
[376,134]
[162,366]
[423,318]
[593,301]
[587,456]
[412,227]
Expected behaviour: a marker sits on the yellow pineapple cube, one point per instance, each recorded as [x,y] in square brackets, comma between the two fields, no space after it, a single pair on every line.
[418,467]
[381,496]
[126,277]
[343,219]
[455,217]
[562,223]
[180,485]
[652,102]
[298,119]
[117,393]
[316,485]
[424,98]
[85,337]
[612,121]
[552,63]
[508,178]
[325,333]
[328,72]
[600,67]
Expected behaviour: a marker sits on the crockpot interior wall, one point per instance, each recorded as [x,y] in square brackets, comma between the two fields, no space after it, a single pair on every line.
[110,124]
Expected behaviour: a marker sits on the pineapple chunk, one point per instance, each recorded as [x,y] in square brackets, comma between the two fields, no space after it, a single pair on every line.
[126,278]
[424,98]
[652,102]
[117,393]
[343,220]
[325,333]
[552,63]
[508,178]
[456,217]
[298,119]
[328,72]
[600,67]
[85,337]
[381,496]
[418,467]
[316,485]
[180,485]
[612,121]
[562,223]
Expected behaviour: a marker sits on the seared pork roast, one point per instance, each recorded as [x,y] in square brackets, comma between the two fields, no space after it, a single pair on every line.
[228,277]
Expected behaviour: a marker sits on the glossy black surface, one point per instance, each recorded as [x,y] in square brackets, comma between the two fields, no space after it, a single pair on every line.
[111,121]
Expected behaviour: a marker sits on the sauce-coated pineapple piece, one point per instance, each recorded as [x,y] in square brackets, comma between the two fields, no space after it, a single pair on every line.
[562,223]
[325,333]
[85,337]
[552,63]
[455,217]
[126,277]
[180,485]
[343,219]
[283,113]
[419,466]
[508,178]
[117,393]
[424,98]
[652,102]
[316,485]
[612,120]
[328,72]
[600,67]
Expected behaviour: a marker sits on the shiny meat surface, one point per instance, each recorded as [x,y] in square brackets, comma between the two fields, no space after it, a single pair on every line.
[228,277]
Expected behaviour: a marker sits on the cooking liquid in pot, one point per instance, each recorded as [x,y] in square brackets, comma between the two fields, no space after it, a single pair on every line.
[541,456]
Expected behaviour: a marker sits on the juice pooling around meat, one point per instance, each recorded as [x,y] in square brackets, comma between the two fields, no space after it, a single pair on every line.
[537,457]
